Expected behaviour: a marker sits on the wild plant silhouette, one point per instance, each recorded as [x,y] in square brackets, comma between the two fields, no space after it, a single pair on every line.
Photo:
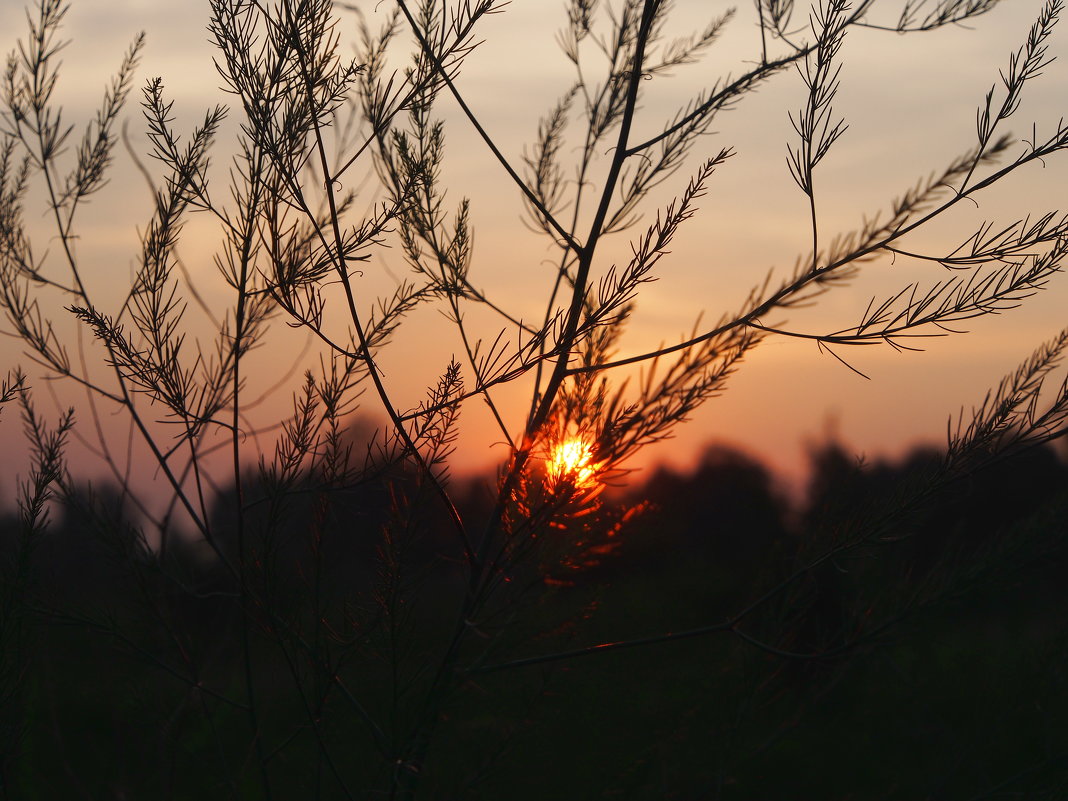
[319,611]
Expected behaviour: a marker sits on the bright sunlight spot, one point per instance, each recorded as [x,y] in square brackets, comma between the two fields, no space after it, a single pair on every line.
[572,460]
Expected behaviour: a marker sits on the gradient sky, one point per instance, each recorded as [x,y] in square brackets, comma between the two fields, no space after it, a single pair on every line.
[910,102]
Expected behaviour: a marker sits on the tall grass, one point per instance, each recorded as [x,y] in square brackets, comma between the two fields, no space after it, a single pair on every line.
[357,601]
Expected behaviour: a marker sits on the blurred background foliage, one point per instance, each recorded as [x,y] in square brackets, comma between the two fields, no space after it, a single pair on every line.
[929,666]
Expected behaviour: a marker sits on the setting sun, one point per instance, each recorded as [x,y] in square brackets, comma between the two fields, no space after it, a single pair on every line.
[572,460]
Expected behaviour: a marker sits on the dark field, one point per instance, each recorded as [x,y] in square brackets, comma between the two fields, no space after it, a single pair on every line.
[928,664]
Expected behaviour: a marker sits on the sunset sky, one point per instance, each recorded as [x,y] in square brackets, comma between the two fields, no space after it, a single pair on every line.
[910,102]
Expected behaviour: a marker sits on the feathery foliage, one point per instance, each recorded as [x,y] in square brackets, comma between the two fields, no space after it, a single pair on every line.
[358,598]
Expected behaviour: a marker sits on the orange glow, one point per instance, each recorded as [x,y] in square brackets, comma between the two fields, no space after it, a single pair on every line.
[572,461]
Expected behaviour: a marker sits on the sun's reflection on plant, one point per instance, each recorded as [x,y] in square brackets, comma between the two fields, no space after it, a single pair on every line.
[571,461]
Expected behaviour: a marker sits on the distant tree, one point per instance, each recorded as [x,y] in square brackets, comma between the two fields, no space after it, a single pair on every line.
[727,512]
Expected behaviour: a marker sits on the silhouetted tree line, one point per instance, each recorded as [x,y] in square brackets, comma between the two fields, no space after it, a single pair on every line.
[693,548]
[727,517]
